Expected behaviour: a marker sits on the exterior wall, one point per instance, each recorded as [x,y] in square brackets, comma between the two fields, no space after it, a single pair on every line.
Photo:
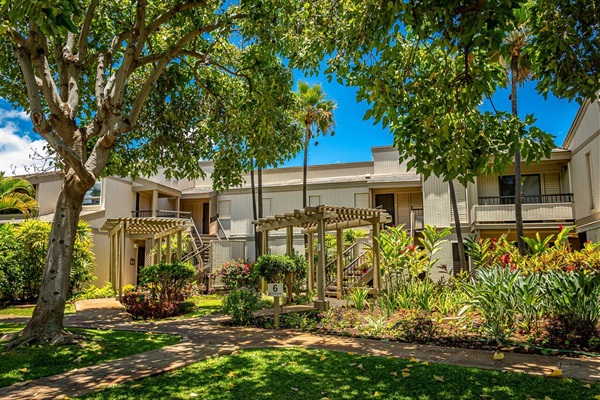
[584,142]
[386,161]
[47,194]
[436,202]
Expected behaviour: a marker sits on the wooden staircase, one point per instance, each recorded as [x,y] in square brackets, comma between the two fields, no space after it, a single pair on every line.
[200,249]
[358,272]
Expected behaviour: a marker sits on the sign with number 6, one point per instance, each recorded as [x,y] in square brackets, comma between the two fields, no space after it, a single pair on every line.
[275,289]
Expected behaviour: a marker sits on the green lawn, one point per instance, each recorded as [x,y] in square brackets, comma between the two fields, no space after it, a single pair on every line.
[27,311]
[294,373]
[203,305]
[32,362]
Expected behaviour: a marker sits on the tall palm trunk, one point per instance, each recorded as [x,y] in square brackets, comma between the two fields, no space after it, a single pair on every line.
[457,225]
[305,167]
[514,66]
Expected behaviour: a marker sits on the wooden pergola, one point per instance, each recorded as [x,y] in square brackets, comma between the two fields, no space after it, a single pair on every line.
[318,220]
[156,229]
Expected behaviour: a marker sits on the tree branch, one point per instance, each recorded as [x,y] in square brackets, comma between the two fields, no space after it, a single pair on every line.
[85,30]
[170,13]
[40,62]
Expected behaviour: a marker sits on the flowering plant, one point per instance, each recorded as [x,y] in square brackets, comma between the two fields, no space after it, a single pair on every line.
[235,274]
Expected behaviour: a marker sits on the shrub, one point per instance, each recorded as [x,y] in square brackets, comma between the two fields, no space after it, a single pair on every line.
[129,288]
[167,281]
[492,295]
[23,249]
[235,274]
[573,298]
[141,304]
[241,303]
[274,268]
[358,296]
[93,292]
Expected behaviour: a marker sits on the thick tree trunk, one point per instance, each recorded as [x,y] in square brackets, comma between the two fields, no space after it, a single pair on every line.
[47,320]
[458,228]
[514,66]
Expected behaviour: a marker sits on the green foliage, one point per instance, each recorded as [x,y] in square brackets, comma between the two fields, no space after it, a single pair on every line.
[241,303]
[24,248]
[93,292]
[573,298]
[492,294]
[359,296]
[167,281]
[17,196]
[235,274]
[274,268]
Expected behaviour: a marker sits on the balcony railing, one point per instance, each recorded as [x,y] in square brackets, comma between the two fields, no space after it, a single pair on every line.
[536,199]
[161,214]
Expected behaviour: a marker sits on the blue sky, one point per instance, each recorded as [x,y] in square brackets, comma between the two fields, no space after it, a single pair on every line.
[353,139]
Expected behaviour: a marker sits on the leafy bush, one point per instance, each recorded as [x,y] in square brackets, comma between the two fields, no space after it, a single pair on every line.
[358,296]
[235,274]
[167,281]
[23,250]
[93,292]
[241,303]
[142,304]
[573,298]
[492,294]
[274,268]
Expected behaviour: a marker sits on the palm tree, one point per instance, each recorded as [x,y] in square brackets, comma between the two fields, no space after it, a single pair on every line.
[17,195]
[316,113]
[519,70]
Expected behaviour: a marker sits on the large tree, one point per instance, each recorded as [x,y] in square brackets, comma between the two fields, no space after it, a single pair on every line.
[425,68]
[126,87]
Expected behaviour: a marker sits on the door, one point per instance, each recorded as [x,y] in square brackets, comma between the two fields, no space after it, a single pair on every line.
[205,218]
[141,259]
[386,202]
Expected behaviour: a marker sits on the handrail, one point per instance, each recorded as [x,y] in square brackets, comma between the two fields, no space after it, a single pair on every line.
[195,231]
[160,213]
[220,226]
[331,277]
[533,199]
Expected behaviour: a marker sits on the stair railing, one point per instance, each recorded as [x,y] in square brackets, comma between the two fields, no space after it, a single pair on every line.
[330,267]
[220,228]
[355,270]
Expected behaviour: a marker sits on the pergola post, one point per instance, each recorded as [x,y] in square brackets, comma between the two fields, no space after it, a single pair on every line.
[155,255]
[321,303]
[265,250]
[154,203]
[340,263]
[311,262]
[123,243]
[168,258]
[112,277]
[289,251]
[159,249]
[179,244]
[376,269]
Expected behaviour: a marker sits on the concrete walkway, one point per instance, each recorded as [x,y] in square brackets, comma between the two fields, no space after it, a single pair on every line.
[204,337]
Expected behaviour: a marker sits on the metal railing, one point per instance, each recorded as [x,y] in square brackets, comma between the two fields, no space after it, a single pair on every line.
[331,266]
[535,199]
[220,228]
[161,214]
[355,270]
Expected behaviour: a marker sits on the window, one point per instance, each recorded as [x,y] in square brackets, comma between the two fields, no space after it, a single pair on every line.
[361,200]
[224,209]
[314,201]
[590,178]
[266,207]
[92,196]
[531,189]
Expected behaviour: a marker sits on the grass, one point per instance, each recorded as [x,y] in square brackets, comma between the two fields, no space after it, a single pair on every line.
[36,361]
[201,306]
[27,311]
[294,373]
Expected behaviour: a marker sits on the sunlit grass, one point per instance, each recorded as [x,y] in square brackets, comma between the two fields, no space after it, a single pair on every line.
[27,311]
[36,361]
[293,373]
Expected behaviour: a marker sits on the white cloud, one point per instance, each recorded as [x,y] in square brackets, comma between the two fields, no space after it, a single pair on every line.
[13,114]
[16,148]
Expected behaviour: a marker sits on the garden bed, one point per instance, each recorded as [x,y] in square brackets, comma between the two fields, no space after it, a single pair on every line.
[410,326]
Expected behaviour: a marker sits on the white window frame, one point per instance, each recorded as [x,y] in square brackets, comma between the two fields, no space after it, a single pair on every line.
[99,182]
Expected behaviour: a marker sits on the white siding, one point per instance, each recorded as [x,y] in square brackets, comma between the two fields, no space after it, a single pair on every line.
[436,204]
[361,200]
[47,194]
[552,183]
[461,202]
